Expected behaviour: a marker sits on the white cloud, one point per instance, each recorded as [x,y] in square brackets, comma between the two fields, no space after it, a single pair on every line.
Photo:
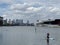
[34,9]
[55,9]
[16,6]
[4,15]
[31,11]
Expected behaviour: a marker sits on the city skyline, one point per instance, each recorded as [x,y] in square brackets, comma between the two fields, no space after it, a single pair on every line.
[17,22]
[32,10]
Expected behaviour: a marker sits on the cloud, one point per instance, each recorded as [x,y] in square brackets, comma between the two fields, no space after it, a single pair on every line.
[32,11]
[55,9]
[6,1]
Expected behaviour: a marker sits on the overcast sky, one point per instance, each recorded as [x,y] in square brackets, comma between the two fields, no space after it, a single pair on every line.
[30,9]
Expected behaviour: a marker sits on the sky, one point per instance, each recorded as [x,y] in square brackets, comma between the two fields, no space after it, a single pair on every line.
[31,10]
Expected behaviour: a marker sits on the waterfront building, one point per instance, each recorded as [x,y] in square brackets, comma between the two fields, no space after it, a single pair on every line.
[13,21]
[1,21]
[19,21]
[9,22]
[32,24]
[5,22]
[27,21]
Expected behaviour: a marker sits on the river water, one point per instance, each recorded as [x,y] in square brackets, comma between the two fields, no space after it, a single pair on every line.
[28,35]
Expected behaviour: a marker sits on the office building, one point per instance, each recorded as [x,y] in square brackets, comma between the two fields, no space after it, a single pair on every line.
[1,21]
[5,22]
[9,22]
[19,21]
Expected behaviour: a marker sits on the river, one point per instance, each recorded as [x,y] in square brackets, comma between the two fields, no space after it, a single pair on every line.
[28,35]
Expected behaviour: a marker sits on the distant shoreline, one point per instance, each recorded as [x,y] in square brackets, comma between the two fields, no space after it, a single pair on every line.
[8,26]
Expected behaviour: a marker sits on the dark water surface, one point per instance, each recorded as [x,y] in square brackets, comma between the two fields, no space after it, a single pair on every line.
[26,35]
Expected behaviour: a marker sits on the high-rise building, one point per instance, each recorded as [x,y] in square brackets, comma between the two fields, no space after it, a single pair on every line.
[5,22]
[13,21]
[19,21]
[1,21]
[27,21]
[10,22]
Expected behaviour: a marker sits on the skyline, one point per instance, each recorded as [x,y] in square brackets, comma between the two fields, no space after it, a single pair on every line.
[32,10]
